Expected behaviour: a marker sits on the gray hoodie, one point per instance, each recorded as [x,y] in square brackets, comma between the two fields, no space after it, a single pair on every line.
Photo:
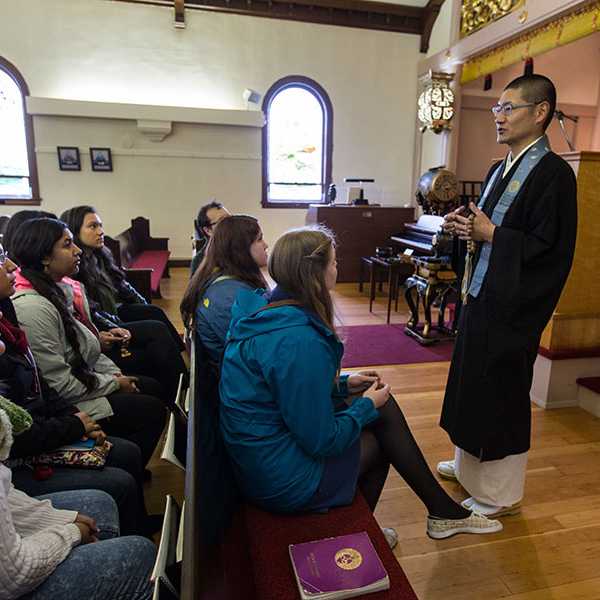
[54,355]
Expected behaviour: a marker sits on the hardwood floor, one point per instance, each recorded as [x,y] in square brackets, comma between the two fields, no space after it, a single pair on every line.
[550,551]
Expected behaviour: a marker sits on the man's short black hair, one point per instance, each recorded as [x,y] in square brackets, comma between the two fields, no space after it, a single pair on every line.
[536,88]
[202,219]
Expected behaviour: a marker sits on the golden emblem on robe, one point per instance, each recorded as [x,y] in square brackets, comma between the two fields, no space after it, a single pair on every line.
[348,559]
[514,186]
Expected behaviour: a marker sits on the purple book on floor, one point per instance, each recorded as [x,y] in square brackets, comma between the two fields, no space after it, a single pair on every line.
[339,567]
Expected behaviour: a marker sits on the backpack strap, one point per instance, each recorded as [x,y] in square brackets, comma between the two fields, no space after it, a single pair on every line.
[277,304]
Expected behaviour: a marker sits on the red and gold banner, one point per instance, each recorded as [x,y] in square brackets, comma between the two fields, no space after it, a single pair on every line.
[559,32]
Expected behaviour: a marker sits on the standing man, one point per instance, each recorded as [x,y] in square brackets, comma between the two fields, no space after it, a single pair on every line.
[524,232]
[208,216]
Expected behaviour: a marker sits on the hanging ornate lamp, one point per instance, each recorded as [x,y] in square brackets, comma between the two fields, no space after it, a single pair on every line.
[436,102]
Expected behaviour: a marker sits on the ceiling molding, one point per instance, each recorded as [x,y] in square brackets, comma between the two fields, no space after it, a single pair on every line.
[363,14]
[429,16]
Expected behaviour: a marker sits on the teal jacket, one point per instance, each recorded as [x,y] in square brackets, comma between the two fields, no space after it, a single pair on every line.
[278,402]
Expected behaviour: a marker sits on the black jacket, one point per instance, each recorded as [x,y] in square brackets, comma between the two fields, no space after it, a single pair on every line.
[104,320]
[54,420]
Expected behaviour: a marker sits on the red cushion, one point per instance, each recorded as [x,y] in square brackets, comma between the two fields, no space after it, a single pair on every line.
[590,383]
[269,536]
[152,259]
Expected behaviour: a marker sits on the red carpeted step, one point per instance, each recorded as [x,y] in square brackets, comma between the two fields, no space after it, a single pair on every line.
[269,536]
[152,259]
[590,383]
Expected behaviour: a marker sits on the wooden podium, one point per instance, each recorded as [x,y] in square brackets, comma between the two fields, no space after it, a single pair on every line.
[570,344]
[575,324]
[358,231]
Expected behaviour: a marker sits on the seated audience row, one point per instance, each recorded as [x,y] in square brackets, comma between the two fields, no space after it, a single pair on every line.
[300,436]
[64,545]
[53,365]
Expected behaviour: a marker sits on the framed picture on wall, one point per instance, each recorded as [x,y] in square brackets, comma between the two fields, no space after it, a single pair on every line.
[101,159]
[68,158]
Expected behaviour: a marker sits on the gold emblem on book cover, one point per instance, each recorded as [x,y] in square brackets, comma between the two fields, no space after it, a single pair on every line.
[479,13]
[348,559]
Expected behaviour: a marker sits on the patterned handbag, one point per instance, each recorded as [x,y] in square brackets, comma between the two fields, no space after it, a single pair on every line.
[92,458]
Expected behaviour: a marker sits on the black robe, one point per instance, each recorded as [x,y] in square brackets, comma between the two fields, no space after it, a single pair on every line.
[487,410]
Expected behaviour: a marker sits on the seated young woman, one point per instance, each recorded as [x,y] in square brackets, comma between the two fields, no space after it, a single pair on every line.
[53,312]
[56,422]
[120,313]
[293,445]
[17,220]
[66,545]
[233,261]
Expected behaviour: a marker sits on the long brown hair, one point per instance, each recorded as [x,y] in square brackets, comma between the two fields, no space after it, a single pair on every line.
[298,262]
[227,253]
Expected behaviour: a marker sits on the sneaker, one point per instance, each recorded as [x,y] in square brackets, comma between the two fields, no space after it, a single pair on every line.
[468,503]
[391,537]
[493,512]
[446,470]
[438,529]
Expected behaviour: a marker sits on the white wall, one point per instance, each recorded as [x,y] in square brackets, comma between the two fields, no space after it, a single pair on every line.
[120,52]
[441,34]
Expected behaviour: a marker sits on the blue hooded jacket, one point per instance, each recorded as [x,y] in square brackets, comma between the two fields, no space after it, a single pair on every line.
[213,314]
[278,402]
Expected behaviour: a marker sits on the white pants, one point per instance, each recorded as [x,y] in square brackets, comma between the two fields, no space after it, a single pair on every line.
[494,482]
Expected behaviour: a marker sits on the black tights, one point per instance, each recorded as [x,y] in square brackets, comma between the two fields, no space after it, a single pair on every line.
[390,441]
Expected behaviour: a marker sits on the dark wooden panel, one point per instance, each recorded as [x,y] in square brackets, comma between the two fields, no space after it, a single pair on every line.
[359,230]
[363,14]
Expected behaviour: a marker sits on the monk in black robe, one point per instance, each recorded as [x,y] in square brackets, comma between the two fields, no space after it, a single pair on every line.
[527,253]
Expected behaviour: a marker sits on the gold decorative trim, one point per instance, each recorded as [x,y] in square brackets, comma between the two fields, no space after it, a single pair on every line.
[476,14]
[561,31]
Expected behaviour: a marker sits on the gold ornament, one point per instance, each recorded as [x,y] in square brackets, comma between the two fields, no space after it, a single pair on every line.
[479,13]
[348,559]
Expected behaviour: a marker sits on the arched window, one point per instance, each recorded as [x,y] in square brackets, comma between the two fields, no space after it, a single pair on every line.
[297,143]
[18,172]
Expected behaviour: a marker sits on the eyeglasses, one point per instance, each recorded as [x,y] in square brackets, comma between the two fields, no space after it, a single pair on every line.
[3,257]
[507,108]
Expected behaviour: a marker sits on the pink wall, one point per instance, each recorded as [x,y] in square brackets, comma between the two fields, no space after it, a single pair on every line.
[477,146]
[575,70]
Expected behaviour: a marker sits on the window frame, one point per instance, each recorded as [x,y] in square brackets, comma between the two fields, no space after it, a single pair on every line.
[322,97]
[14,73]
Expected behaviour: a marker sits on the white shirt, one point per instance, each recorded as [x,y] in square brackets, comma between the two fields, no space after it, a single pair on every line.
[510,160]
[34,539]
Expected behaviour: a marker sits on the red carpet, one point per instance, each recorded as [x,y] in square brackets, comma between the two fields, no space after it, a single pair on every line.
[369,345]
[273,574]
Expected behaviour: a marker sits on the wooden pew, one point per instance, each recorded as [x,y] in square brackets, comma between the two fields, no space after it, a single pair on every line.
[233,550]
[144,258]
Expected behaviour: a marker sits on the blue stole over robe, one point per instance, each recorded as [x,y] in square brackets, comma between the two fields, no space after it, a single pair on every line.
[528,162]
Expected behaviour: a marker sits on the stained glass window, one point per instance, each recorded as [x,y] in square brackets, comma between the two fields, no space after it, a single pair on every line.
[297,160]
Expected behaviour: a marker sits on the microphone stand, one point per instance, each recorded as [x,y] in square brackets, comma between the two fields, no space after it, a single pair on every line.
[561,116]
